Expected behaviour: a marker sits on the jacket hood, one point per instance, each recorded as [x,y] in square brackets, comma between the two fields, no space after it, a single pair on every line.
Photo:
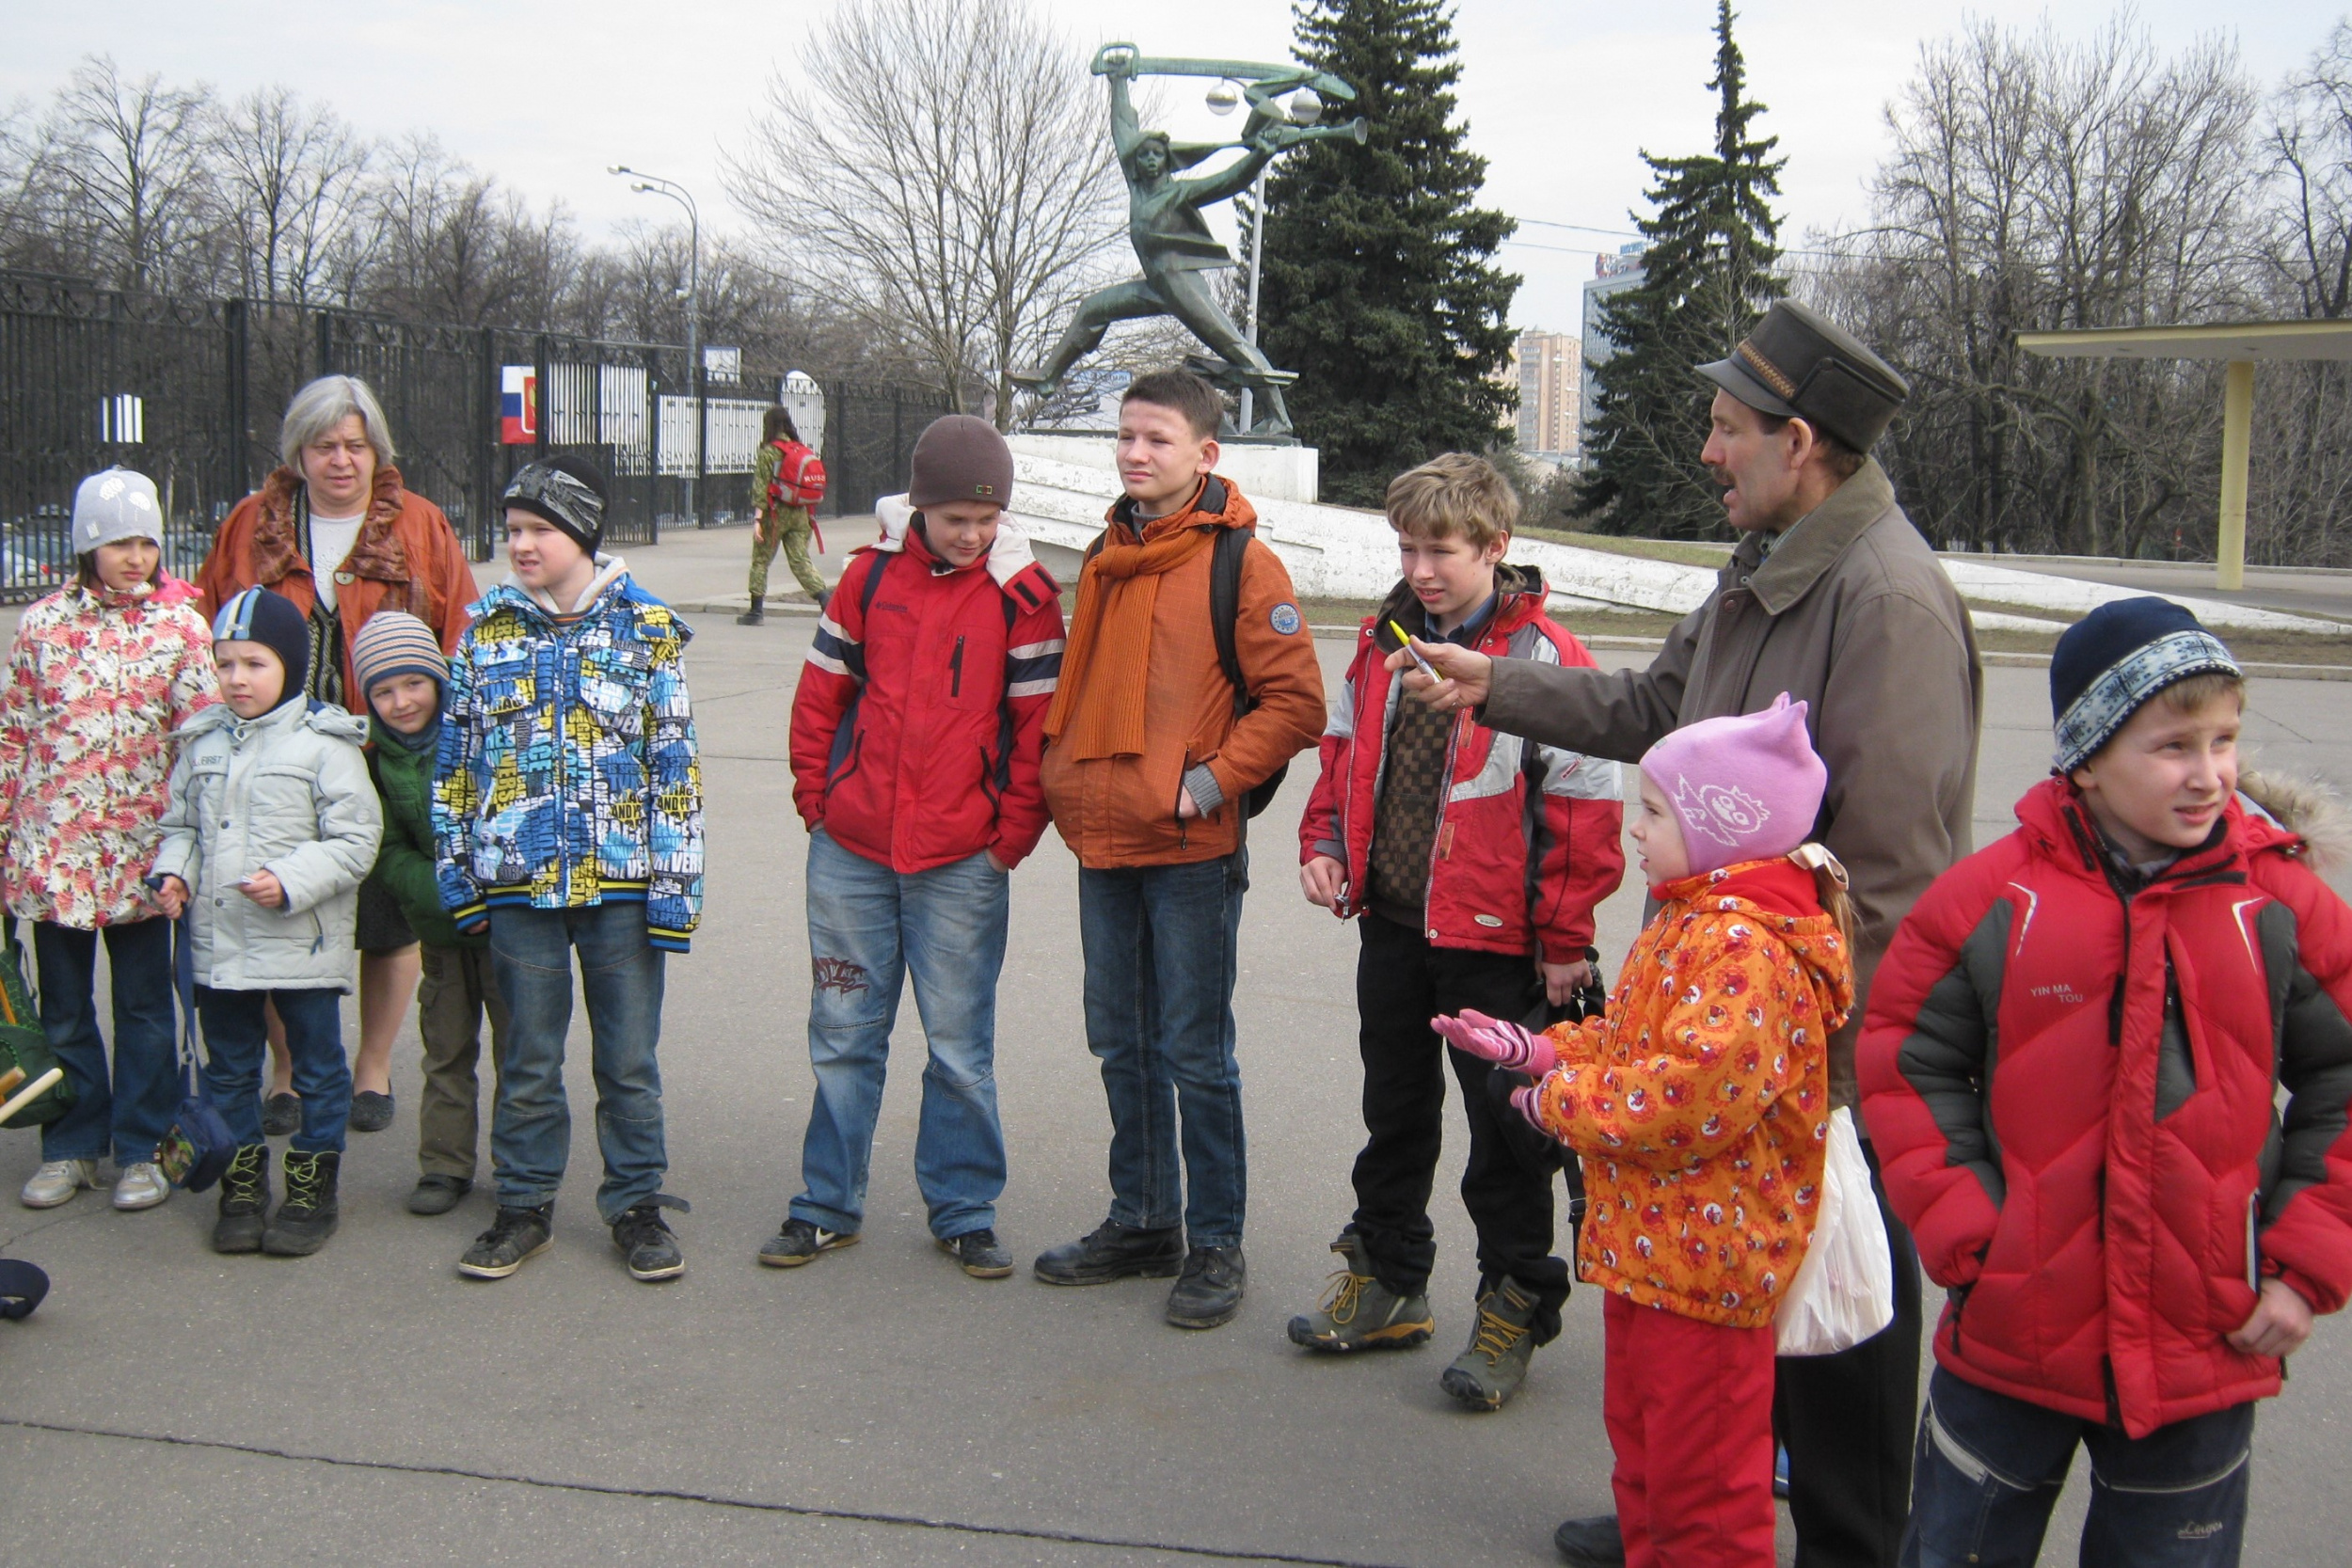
[1783,894]
[1008,558]
[2303,809]
[276,545]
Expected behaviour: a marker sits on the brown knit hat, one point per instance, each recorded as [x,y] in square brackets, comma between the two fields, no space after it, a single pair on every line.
[960,458]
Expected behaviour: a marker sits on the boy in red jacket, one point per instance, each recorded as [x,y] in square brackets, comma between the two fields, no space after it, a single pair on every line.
[916,734]
[1476,860]
[2071,1069]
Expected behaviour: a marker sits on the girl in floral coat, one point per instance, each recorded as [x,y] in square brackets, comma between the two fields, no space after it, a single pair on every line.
[101,672]
[1700,1105]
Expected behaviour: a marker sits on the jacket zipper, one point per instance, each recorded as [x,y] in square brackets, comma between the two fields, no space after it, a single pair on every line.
[955,670]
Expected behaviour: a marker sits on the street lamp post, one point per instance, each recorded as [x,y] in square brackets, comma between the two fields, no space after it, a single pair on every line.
[1306,108]
[653,185]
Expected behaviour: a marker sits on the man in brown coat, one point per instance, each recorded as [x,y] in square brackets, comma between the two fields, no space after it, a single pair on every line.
[1831,596]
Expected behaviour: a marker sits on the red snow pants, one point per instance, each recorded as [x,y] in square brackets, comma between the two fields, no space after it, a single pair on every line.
[1688,1408]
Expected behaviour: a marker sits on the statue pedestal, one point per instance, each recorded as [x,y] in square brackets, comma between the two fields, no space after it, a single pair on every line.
[1263,470]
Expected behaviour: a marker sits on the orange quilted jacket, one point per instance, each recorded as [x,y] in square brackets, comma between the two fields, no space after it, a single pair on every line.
[1700,1105]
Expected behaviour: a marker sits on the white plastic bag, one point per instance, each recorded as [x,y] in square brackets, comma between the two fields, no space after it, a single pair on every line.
[1844,1290]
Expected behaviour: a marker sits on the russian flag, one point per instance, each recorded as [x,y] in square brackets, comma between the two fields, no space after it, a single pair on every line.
[518,406]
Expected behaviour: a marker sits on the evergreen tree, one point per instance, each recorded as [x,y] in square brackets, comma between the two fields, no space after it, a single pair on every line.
[1379,286]
[1708,273]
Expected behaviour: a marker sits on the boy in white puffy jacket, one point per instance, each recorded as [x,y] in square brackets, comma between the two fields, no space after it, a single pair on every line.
[272,824]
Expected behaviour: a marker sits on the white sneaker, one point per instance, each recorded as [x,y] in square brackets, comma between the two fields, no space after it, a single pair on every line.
[141,1185]
[57,1181]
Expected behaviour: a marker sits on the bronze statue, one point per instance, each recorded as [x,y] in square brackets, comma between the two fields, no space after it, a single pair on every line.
[1172,241]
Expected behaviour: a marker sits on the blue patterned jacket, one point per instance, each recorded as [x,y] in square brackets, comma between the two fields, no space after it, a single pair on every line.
[569,773]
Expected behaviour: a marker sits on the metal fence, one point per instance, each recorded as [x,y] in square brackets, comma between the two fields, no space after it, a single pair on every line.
[190,392]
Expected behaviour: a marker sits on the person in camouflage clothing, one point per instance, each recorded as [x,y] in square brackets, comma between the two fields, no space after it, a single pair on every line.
[775,523]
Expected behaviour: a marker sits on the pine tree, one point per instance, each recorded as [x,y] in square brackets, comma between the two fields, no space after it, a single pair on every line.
[1709,272]
[1380,287]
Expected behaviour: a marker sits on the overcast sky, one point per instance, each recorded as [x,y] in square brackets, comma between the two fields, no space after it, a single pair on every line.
[1560,96]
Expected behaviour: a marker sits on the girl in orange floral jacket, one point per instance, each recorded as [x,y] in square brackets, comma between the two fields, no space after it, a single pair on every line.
[1700,1107]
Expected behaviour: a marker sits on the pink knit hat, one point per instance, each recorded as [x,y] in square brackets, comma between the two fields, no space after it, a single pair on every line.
[1747,787]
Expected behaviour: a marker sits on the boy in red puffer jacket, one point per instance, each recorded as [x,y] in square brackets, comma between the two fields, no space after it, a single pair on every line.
[1475,860]
[916,737]
[2071,1069]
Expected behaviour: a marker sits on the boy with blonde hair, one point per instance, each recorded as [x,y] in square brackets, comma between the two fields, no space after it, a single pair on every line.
[1476,861]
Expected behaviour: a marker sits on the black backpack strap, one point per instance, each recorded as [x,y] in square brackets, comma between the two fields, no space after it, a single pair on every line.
[872,585]
[1233,543]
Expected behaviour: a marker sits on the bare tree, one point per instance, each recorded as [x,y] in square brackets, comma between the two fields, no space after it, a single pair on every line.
[131,155]
[291,175]
[943,177]
[446,242]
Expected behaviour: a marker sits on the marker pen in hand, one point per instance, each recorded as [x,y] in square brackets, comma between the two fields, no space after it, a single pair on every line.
[1426,668]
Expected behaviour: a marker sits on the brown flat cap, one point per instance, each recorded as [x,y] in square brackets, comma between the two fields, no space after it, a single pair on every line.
[1797,364]
[960,458]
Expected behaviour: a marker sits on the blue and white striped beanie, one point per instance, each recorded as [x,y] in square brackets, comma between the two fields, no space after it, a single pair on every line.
[2112,660]
[258,615]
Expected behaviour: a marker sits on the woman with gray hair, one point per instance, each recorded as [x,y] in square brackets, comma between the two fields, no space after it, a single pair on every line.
[334,530]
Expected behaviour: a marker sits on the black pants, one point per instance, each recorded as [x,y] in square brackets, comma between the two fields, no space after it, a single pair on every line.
[1401,983]
[1847,1421]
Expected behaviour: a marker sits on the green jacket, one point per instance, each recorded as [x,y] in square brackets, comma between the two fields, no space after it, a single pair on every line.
[405,865]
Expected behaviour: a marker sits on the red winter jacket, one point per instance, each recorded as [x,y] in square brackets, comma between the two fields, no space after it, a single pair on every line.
[2070,1078]
[1505,875]
[919,717]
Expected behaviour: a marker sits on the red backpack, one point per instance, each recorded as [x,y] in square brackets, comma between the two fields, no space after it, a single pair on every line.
[800,476]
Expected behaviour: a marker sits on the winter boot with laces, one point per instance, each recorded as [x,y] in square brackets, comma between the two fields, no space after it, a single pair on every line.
[1361,1313]
[645,1239]
[1487,1375]
[244,1200]
[308,1217]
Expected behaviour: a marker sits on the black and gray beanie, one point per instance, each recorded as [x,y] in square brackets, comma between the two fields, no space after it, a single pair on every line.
[567,491]
[2112,660]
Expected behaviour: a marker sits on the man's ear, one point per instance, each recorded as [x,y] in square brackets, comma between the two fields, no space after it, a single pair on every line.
[1209,452]
[1496,549]
[1803,440]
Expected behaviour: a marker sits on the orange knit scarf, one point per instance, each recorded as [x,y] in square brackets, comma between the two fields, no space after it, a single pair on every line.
[1098,708]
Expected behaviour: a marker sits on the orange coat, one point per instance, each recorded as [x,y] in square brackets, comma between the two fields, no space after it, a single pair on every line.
[1120,811]
[406,557]
[1700,1105]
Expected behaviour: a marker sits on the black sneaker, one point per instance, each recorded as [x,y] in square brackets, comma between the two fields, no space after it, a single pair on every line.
[1113,1251]
[645,1239]
[281,1116]
[371,1112]
[244,1200]
[437,1195]
[308,1215]
[1210,1291]
[799,1241]
[516,1235]
[1594,1542]
[980,1254]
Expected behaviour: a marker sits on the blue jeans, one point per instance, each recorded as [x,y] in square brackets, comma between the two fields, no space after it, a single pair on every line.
[1161,950]
[868,928]
[128,1113]
[236,1042]
[620,979]
[1989,1467]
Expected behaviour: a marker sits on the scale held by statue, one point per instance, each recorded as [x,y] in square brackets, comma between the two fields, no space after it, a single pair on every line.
[1172,242]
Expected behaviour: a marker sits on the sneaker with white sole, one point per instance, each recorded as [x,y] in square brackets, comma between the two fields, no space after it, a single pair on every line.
[57,1181]
[141,1185]
[799,1241]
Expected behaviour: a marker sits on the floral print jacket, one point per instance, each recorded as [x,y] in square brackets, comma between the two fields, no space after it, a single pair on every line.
[97,683]
[1700,1104]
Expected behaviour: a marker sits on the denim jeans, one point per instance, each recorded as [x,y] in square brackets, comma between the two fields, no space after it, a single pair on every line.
[1161,952]
[620,979]
[128,1113]
[1989,1467]
[868,928]
[236,1042]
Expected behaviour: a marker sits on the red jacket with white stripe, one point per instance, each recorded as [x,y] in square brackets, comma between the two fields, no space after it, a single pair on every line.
[921,712]
[2070,1076]
[1526,843]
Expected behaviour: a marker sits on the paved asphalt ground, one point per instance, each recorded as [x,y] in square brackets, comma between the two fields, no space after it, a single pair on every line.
[167,1406]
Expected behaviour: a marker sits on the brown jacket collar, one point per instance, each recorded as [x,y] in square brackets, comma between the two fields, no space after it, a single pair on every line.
[276,544]
[1814,543]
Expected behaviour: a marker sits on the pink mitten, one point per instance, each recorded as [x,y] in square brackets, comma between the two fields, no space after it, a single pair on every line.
[1496,1040]
[1524,1100]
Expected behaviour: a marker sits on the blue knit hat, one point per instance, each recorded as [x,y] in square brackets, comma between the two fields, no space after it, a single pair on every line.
[2112,660]
[258,615]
